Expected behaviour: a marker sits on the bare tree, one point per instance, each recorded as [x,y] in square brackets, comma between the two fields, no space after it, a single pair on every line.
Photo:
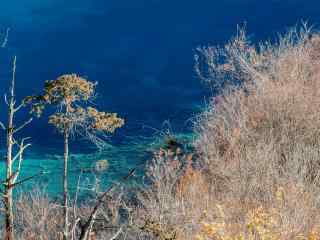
[70,94]
[14,158]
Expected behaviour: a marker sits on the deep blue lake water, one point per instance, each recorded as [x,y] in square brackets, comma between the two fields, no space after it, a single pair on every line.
[140,52]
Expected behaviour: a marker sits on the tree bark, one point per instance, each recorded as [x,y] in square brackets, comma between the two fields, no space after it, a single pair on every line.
[65,184]
[8,201]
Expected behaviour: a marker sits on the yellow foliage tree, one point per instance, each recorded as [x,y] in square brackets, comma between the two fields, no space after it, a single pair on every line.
[70,94]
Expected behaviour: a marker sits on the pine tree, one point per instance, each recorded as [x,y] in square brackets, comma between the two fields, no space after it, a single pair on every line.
[71,95]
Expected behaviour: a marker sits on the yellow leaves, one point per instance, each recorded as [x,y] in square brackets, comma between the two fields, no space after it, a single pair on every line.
[313,235]
[103,121]
[212,229]
[280,195]
[59,120]
[240,237]
[262,224]
[199,237]
[257,217]
[37,109]
[259,224]
[162,232]
[101,165]
[64,92]
[89,119]
[68,88]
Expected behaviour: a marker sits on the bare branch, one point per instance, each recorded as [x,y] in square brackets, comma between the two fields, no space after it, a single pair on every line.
[19,155]
[19,107]
[5,182]
[6,99]
[27,179]
[85,231]
[2,126]
[23,125]
[22,148]
[116,234]
[13,82]
[6,38]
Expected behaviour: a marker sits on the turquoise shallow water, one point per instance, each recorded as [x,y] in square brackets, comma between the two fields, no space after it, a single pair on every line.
[121,157]
[140,52]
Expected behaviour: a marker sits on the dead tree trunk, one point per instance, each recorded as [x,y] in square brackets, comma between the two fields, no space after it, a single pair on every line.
[65,184]
[8,186]
[12,172]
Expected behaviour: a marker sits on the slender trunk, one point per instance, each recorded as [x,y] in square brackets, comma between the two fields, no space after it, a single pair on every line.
[86,229]
[8,201]
[8,189]
[65,184]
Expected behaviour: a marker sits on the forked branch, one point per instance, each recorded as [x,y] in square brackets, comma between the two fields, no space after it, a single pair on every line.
[86,228]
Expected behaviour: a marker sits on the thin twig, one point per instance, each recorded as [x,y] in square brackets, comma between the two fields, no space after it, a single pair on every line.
[6,38]
[20,153]
[26,179]
[19,107]
[88,225]
[6,99]
[23,125]
[22,147]
[2,126]
[116,234]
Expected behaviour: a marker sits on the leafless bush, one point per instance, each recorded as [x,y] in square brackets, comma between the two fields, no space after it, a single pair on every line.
[170,207]
[37,217]
[257,146]
[264,134]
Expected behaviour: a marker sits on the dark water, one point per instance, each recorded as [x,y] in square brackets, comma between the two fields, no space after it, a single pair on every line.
[140,52]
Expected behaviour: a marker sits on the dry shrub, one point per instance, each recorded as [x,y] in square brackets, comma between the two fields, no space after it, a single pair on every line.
[258,148]
[264,133]
[37,217]
[170,206]
[191,182]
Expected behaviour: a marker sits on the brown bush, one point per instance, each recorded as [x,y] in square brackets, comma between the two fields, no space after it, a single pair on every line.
[257,146]
[264,133]
[37,217]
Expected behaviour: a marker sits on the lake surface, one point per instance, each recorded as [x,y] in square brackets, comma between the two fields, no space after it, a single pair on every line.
[140,52]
